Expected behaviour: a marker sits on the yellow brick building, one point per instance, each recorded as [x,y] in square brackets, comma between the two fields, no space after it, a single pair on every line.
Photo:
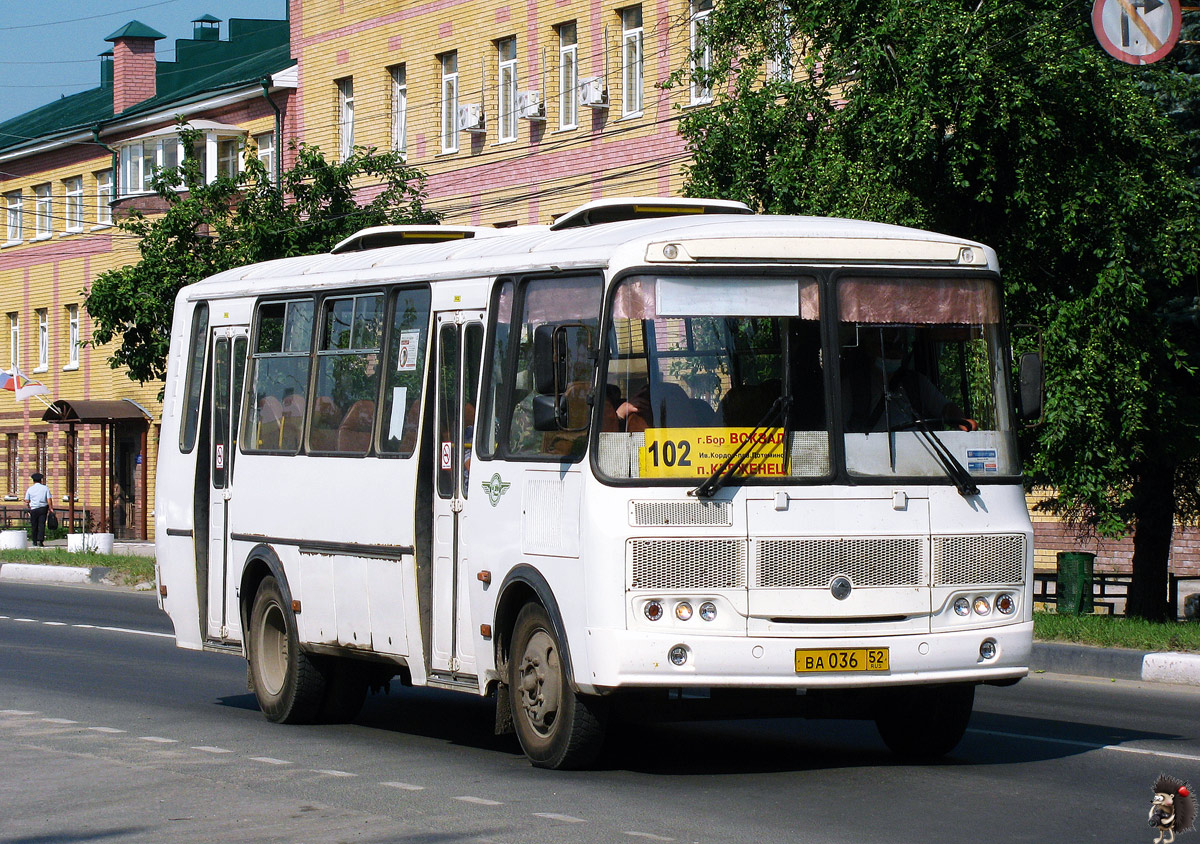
[67,171]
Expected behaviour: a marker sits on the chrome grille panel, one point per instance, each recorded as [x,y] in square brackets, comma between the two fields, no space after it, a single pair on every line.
[660,513]
[988,560]
[687,563]
[808,563]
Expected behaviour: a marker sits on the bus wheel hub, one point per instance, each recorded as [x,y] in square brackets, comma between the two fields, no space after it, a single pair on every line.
[540,682]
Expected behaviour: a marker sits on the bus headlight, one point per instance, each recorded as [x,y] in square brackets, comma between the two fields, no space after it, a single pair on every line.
[654,610]
[981,606]
[962,607]
[1005,603]
[708,611]
[987,650]
[678,655]
[683,611]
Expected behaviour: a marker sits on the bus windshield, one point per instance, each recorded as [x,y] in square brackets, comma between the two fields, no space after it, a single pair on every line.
[702,369]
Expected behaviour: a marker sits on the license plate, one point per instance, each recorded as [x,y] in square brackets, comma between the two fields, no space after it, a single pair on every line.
[812,660]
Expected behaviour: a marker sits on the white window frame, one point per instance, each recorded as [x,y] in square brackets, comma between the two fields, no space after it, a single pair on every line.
[14,203]
[229,158]
[779,65]
[345,91]
[506,88]
[632,61]
[568,75]
[104,198]
[264,144]
[14,340]
[43,211]
[399,79]
[73,204]
[72,337]
[449,133]
[43,317]
[701,55]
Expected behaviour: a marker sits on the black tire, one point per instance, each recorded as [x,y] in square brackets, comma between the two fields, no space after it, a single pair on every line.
[557,727]
[288,683]
[924,722]
[345,690]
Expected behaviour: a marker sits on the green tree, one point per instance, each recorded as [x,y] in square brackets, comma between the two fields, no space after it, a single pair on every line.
[1002,122]
[231,222]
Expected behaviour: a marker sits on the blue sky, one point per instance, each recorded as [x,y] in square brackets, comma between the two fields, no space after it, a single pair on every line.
[50,48]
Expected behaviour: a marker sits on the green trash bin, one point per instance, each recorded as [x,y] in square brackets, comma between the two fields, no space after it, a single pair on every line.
[1073,592]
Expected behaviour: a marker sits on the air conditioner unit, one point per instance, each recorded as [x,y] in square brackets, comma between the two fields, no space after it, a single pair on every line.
[530,105]
[471,118]
[592,92]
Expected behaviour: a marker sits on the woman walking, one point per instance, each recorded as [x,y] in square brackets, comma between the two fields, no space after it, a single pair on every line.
[38,498]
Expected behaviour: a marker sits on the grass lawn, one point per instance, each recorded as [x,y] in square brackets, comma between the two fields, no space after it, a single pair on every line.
[123,569]
[1115,632]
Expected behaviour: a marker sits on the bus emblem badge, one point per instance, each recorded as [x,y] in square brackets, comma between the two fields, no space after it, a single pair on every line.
[840,588]
[495,488]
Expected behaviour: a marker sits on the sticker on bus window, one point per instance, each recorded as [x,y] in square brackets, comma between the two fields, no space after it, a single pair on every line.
[699,452]
[399,408]
[220,461]
[406,359]
[982,460]
[447,455]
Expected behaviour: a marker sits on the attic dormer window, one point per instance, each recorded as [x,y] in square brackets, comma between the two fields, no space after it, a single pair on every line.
[218,153]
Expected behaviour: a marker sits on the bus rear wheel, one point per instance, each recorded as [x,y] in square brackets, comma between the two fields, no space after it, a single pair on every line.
[924,722]
[287,682]
[557,727]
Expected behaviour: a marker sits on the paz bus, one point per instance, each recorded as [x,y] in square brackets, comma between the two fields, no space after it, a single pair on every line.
[664,452]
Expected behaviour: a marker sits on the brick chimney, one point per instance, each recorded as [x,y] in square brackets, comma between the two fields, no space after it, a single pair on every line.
[134,65]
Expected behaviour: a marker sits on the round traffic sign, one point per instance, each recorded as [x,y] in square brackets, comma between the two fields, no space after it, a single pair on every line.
[1137,31]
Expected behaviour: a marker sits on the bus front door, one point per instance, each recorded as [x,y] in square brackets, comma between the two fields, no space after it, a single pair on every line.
[459,350]
[225,381]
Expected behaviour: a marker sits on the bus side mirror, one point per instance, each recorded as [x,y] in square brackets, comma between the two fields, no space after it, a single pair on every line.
[1031,386]
[545,413]
[549,363]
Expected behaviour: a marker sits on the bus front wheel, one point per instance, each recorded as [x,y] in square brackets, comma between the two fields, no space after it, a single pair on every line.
[557,727]
[924,722]
[287,682]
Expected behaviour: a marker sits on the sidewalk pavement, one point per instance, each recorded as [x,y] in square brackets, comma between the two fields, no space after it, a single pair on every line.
[1052,657]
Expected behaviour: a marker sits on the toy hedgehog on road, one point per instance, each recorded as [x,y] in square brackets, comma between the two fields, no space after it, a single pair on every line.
[1173,809]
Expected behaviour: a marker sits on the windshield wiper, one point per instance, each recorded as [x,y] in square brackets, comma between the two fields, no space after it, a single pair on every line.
[946,459]
[729,468]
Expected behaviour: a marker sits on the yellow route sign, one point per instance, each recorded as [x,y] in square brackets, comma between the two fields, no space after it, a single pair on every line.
[698,452]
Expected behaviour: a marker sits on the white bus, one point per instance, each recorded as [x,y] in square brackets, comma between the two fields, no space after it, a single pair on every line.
[750,463]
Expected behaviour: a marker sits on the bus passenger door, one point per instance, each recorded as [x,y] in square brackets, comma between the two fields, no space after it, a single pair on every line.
[226,381]
[459,351]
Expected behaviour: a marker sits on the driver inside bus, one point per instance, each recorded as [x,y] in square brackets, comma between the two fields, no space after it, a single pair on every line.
[882,390]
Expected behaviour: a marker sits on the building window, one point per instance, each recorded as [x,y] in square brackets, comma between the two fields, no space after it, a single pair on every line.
[104,197]
[73,191]
[568,76]
[227,158]
[399,107]
[506,57]
[73,336]
[13,203]
[43,219]
[345,117]
[265,150]
[14,340]
[14,468]
[631,60]
[701,52]
[42,462]
[449,102]
[779,63]
[43,340]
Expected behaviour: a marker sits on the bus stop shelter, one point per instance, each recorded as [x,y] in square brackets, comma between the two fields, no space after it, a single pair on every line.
[124,426]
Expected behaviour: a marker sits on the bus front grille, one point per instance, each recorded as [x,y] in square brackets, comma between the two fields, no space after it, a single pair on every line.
[809,563]
[979,560]
[687,564]
[682,513]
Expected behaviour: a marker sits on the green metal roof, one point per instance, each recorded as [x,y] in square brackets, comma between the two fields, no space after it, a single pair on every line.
[135,29]
[206,19]
[256,48]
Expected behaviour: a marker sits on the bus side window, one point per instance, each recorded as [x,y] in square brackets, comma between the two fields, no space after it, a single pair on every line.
[195,378]
[348,359]
[404,371]
[279,377]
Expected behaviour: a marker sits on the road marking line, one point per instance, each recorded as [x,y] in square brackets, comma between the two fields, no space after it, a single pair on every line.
[404,786]
[110,730]
[16,712]
[26,620]
[1090,745]
[649,836]
[4,617]
[329,772]
[564,818]
[478,801]
[85,626]
[205,748]
[55,623]
[138,632]
[159,739]
[268,760]
[59,721]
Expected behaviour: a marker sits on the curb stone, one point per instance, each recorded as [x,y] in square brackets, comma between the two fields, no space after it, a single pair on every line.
[39,573]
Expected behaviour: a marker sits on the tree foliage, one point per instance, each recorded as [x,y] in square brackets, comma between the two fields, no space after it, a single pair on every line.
[1001,121]
[231,222]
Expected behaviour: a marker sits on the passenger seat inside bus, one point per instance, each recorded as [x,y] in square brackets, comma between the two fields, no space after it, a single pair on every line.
[354,434]
[744,406]
[292,424]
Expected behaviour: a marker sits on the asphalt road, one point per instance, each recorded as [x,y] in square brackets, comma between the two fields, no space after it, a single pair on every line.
[108,733]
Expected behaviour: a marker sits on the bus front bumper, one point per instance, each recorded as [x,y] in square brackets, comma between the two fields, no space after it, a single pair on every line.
[629,659]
